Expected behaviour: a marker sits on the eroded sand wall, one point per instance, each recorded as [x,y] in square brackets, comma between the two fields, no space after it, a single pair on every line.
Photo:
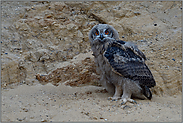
[40,38]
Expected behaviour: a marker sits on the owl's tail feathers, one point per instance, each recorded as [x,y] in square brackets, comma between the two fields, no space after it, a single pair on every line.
[147,92]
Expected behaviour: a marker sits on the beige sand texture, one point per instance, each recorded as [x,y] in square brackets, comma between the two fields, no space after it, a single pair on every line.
[48,72]
[62,103]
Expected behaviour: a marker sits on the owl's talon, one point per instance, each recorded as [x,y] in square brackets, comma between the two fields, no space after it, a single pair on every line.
[129,100]
[113,98]
[134,102]
[109,98]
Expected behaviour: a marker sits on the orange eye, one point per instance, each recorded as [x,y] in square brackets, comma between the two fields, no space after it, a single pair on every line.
[96,33]
[106,32]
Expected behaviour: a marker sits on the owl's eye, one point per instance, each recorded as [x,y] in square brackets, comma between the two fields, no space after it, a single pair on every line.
[106,32]
[96,33]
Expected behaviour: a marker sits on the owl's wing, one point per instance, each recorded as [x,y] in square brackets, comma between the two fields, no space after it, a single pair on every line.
[128,61]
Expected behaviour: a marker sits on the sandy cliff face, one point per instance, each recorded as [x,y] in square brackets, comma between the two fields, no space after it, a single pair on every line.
[51,39]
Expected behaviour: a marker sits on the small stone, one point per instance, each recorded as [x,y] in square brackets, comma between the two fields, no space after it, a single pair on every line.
[71,26]
[19,119]
[174,27]
[33,8]
[49,16]
[26,110]
[80,34]
[87,113]
[137,13]
[5,84]
[43,120]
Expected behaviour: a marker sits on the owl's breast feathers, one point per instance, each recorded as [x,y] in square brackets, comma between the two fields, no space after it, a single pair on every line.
[128,61]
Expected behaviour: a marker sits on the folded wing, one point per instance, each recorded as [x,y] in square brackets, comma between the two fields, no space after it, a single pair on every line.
[128,61]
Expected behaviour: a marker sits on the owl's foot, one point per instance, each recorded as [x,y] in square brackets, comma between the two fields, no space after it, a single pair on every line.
[114,98]
[124,100]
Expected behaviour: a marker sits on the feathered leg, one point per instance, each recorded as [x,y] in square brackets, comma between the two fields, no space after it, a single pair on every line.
[118,92]
[126,96]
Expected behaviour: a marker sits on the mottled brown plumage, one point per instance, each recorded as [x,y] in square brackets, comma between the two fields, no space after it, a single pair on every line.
[121,65]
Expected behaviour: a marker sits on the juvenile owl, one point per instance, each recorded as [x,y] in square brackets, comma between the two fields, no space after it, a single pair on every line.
[121,65]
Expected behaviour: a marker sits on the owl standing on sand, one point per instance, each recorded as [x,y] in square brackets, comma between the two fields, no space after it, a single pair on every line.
[121,65]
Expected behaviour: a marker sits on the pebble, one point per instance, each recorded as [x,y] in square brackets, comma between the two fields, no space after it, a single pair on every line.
[21,119]
[43,120]
[26,110]
[137,13]
[33,8]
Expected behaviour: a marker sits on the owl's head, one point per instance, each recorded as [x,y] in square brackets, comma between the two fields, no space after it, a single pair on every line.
[102,33]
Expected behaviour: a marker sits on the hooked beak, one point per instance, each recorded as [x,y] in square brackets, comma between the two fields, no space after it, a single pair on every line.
[101,37]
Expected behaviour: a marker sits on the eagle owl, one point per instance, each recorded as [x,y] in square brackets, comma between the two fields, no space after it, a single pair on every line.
[121,65]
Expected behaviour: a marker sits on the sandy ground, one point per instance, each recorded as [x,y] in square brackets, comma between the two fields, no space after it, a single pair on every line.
[62,103]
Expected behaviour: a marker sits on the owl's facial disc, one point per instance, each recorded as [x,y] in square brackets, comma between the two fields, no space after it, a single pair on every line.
[102,35]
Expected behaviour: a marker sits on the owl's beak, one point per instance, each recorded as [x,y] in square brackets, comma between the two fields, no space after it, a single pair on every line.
[101,36]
